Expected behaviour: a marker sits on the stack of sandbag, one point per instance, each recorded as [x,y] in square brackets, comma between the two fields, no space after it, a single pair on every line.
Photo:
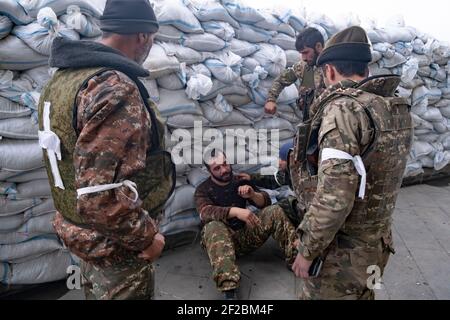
[30,251]
[423,64]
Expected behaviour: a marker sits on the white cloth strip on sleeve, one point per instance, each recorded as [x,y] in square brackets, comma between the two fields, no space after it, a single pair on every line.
[106,187]
[329,153]
[49,141]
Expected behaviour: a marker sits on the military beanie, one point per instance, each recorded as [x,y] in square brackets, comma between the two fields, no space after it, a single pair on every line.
[128,17]
[351,44]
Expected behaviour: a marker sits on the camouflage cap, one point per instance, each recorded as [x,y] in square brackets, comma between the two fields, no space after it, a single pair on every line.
[351,44]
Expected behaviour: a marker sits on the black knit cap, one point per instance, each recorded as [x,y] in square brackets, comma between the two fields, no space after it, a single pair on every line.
[129,17]
[351,44]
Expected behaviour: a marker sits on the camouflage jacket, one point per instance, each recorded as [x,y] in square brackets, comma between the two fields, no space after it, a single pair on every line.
[292,75]
[346,125]
[114,138]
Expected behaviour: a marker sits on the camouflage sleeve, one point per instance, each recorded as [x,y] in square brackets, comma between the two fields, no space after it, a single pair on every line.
[271,182]
[345,127]
[207,210]
[114,138]
[285,79]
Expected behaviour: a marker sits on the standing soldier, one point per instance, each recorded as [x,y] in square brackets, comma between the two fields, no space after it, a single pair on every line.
[350,156]
[310,44]
[105,157]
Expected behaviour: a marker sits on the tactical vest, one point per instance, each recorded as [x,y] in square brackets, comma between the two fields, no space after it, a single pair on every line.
[311,86]
[384,158]
[155,183]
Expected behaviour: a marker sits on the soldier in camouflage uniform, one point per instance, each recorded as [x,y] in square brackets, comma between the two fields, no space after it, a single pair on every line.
[230,228]
[347,169]
[310,44]
[105,157]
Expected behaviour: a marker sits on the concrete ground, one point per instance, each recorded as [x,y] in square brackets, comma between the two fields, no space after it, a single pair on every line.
[419,270]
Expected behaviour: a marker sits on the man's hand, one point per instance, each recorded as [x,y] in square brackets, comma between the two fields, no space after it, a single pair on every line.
[154,251]
[245,215]
[301,267]
[270,107]
[246,192]
[243,176]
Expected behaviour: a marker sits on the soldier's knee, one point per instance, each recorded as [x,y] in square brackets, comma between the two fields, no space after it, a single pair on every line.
[272,212]
[214,228]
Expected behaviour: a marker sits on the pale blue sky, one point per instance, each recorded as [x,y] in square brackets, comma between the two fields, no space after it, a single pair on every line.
[431,16]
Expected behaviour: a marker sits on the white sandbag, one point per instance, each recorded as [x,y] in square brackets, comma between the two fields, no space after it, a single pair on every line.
[181,200]
[430,138]
[432,114]
[434,95]
[441,126]
[20,155]
[29,176]
[292,57]
[152,88]
[204,42]
[6,26]
[376,56]
[183,54]
[395,61]
[221,29]
[10,109]
[198,85]
[235,118]
[29,250]
[173,81]
[39,35]
[270,22]
[284,41]
[445,141]
[238,87]
[421,149]
[7,188]
[405,93]
[441,160]
[36,226]
[298,22]
[159,63]
[420,123]
[404,48]
[226,67]
[197,176]
[186,221]
[237,100]
[175,13]
[19,128]
[243,48]
[169,34]
[409,70]
[13,207]
[195,69]
[250,64]
[212,10]
[213,114]
[427,162]
[12,87]
[242,12]
[274,124]
[445,111]
[254,78]
[176,102]
[186,121]
[17,55]
[38,77]
[32,189]
[14,11]
[419,94]
[252,111]
[272,58]
[85,25]
[47,268]
[422,59]
[413,169]
[60,7]
[254,35]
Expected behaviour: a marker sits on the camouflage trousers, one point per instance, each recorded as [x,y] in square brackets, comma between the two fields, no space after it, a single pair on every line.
[223,244]
[124,282]
[344,274]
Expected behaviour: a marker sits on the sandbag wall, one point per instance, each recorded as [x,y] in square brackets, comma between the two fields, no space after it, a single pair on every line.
[212,62]
[30,251]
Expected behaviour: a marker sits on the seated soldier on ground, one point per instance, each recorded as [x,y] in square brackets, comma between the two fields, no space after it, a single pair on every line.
[229,228]
[280,179]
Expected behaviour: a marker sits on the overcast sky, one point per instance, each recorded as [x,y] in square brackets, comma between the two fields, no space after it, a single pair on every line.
[429,16]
